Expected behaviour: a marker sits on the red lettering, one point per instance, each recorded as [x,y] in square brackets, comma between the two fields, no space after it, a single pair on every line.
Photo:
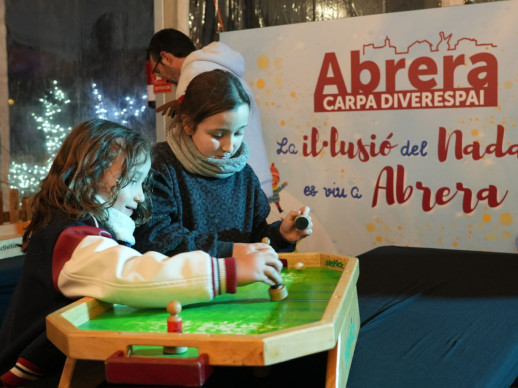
[392,69]
[392,186]
[397,192]
[444,143]
[498,147]
[420,67]
[486,75]
[347,148]
[491,196]
[475,148]
[357,67]
[440,197]
[330,75]
[479,82]
[313,145]
[352,149]
[450,64]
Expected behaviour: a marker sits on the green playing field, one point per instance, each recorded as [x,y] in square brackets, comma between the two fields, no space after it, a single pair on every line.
[250,311]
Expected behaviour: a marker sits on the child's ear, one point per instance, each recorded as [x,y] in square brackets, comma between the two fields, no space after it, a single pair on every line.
[187,125]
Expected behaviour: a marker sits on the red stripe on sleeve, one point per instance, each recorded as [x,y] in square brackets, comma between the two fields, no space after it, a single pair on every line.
[231,271]
[213,263]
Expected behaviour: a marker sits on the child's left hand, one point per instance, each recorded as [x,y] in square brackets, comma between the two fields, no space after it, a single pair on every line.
[288,229]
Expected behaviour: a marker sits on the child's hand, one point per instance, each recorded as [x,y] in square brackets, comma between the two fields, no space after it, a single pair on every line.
[261,265]
[288,229]
[243,249]
[169,108]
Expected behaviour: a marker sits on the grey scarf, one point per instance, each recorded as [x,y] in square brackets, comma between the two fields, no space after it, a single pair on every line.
[186,152]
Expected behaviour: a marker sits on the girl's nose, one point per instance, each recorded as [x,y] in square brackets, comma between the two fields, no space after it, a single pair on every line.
[227,145]
[139,195]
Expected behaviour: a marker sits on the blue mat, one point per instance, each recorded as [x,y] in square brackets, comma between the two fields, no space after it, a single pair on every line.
[436,318]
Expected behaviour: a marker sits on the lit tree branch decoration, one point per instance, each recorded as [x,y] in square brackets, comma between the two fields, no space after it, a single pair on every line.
[121,112]
[26,177]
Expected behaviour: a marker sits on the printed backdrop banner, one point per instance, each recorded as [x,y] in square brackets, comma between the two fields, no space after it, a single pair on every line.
[397,129]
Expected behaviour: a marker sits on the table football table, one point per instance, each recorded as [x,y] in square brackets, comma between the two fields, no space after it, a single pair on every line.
[320,314]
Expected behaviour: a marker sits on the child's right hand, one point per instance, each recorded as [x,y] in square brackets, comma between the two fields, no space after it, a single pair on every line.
[261,264]
[169,108]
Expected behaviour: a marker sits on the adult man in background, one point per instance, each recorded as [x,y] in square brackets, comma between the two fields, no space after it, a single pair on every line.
[174,57]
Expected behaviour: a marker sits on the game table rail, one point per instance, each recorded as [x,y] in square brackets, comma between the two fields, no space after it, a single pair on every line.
[335,332]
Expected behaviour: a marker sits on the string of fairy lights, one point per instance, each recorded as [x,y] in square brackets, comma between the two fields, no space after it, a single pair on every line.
[120,112]
[26,177]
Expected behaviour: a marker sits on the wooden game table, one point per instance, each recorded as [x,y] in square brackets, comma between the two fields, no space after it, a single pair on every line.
[320,314]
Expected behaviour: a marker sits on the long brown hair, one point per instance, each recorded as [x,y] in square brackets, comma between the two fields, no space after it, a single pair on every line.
[87,153]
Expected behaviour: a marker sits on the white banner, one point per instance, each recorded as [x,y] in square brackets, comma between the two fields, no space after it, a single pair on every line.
[396,129]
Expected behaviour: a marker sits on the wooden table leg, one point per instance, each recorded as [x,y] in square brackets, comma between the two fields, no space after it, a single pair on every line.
[340,357]
[82,373]
[68,372]
[333,366]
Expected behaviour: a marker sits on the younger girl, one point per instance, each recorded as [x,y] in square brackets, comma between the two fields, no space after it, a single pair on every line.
[78,244]
[205,196]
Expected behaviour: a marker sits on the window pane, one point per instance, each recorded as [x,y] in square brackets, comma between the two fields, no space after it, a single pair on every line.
[69,61]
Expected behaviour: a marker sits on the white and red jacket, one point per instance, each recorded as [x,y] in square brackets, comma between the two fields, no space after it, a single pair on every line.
[87,261]
[69,259]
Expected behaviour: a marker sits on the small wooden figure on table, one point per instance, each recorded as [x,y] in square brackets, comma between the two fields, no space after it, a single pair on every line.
[279,291]
[174,325]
